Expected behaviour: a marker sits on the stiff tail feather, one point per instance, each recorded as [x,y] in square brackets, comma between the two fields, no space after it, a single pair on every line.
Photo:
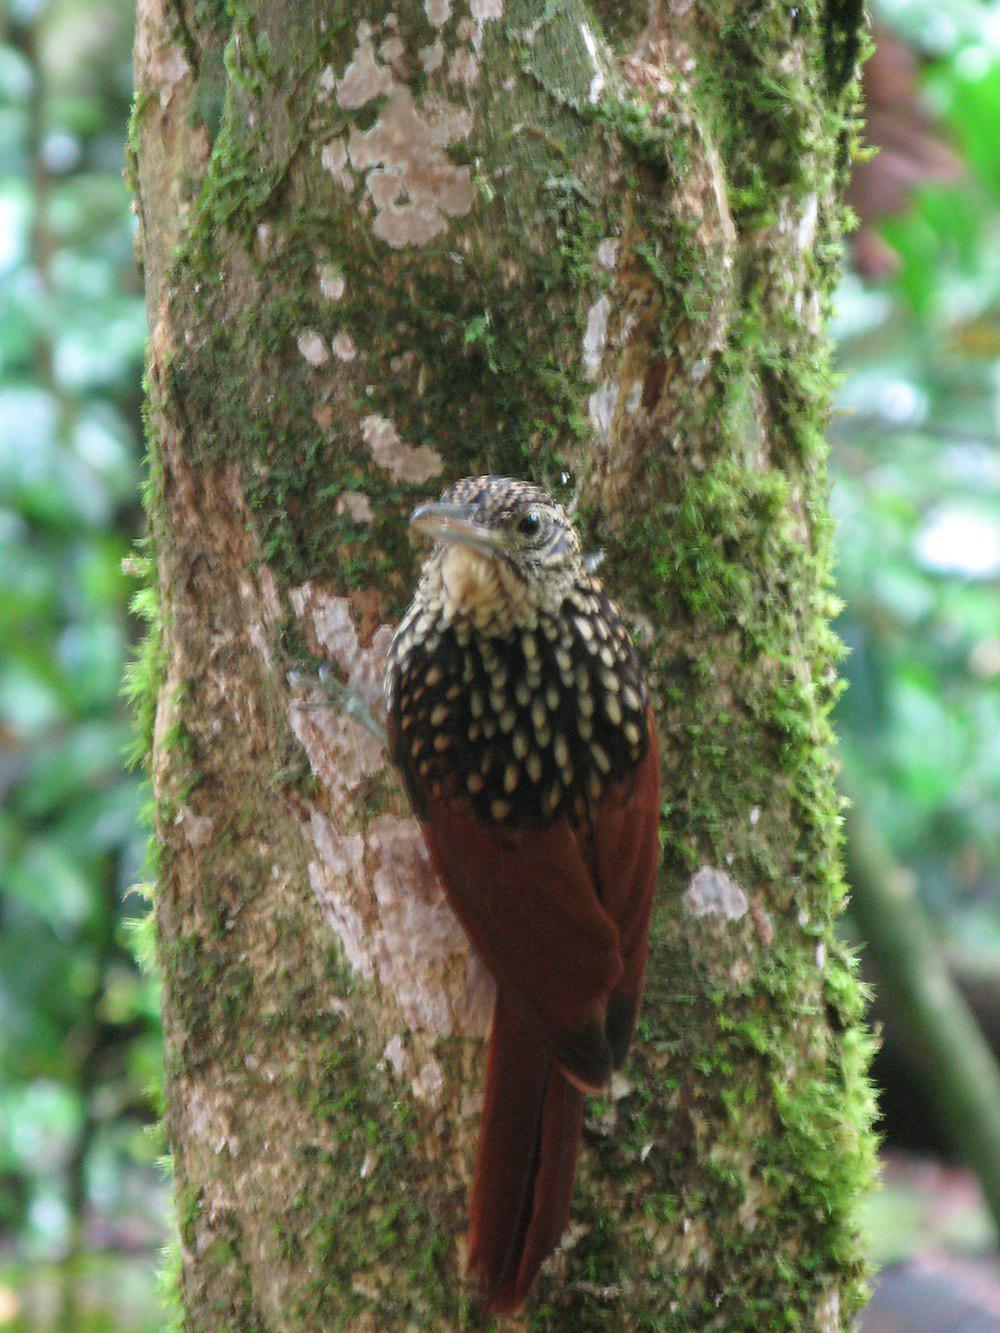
[525,1162]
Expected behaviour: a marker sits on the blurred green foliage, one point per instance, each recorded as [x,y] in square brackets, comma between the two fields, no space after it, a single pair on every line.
[79,1045]
[916,467]
[916,494]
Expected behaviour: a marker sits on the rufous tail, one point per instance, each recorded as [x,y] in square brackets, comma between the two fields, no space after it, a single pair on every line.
[525,1162]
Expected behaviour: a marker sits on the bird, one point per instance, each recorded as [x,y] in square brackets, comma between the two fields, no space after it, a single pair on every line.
[520,721]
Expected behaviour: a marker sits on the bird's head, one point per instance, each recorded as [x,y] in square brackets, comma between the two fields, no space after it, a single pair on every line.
[501,544]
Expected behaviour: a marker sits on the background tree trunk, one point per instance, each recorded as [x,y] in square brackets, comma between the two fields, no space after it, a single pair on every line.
[387,245]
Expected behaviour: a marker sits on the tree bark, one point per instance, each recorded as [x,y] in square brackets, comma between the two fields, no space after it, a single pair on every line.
[387,246]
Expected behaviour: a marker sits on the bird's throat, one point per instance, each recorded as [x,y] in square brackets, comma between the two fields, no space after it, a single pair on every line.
[479,588]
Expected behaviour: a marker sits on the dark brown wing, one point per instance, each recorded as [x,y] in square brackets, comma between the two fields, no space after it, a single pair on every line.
[626,855]
[527,900]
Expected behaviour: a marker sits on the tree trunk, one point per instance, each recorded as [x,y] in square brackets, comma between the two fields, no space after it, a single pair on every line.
[387,245]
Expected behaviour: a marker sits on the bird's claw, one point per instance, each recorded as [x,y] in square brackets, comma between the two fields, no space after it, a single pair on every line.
[342,697]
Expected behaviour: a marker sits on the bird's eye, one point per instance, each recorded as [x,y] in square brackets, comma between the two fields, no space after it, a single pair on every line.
[530,525]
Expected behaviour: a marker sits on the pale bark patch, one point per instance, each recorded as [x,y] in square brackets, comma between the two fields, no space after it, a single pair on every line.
[340,752]
[197,828]
[376,887]
[419,943]
[167,67]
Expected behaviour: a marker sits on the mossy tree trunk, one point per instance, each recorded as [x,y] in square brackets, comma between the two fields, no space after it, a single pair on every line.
[387,245]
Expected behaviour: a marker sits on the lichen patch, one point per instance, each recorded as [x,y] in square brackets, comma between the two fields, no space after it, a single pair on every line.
[395,455]
[598,80]
[431,57]
[601,409]
[713,892]
[333,156]
[438,12]
[356,506]
[607,253]
[364,79]
[313,348]
[413,185]
[331,282]
[595,339]
[344,347]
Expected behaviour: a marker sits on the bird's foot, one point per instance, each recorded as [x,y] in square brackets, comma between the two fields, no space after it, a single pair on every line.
[341,697]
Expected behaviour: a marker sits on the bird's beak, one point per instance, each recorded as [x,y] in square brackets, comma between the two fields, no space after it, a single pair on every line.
[455,523]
